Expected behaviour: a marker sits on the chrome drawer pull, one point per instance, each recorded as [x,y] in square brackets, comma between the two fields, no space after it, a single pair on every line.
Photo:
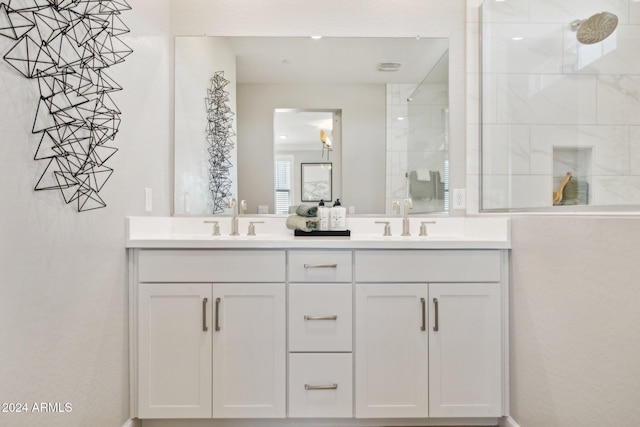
[321,387]
[321,266]
[307,317]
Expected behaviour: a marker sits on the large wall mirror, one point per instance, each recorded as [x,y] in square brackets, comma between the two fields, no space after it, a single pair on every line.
[388,98]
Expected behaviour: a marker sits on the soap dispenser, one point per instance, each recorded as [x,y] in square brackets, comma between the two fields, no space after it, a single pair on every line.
[323,216]
[338,216]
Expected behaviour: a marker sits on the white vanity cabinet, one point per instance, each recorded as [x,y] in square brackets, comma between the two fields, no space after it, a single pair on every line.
[320,334]
[352,332]
[209,333]
[426,349]
[174,350]
[391,351]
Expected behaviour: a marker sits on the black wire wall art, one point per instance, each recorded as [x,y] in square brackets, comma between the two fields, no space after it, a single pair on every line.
[219,135]
[66,45]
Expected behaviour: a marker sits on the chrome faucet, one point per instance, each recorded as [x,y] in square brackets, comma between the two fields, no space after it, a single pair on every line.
[234,220]
[408,204]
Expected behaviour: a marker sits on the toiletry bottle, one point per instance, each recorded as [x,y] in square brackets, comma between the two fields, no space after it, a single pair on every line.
[338,216]
[323,216]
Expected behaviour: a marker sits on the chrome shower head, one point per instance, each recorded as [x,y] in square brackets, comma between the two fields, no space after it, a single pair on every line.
[596,28]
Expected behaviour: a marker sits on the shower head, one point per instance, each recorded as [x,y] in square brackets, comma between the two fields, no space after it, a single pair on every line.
[596,28]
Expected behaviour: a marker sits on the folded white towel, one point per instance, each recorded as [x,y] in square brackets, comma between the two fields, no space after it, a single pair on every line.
[423,175]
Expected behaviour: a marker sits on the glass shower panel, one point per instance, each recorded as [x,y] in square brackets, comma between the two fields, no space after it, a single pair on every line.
[560,117]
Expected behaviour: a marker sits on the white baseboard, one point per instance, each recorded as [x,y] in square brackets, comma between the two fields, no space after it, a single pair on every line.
[508,422]
[131,423]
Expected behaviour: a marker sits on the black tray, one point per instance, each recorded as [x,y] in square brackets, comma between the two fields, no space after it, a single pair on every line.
[318,233]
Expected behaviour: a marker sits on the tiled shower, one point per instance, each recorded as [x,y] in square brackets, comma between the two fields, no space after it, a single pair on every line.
[551,105]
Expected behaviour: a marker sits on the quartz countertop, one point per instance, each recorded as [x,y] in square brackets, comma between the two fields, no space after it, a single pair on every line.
[271,233]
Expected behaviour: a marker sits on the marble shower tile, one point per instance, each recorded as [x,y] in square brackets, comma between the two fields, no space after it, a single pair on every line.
[619,190]
[615,55]
[566,11]
[537,48]
[487,102]
[634,150]
[531,191]
[619,99]
[610,145]
[516,192]
[634,12]
[546,99]
[505,11]
[505,149]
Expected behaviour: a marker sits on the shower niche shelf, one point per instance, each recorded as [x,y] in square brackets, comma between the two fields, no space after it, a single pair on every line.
[579,162]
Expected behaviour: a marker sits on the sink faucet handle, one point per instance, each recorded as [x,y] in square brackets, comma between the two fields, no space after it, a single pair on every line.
[252,227]
[216,227]
[395,206]
[387,227]
[408,204]
[243,206]
[423,227]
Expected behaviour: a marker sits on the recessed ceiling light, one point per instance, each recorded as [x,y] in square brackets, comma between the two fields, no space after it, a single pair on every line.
[283,136]
[517,38]
[316,37]
[400,118]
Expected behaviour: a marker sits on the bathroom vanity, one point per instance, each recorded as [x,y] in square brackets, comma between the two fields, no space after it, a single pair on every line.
[369,330]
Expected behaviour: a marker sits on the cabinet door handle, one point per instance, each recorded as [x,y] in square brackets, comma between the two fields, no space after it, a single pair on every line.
[217,314]
[423,327]
[321,266]
[321,387]
[204,314]
[307,317]
[435,304]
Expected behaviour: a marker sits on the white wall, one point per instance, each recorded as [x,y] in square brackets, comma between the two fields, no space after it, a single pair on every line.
[63,289]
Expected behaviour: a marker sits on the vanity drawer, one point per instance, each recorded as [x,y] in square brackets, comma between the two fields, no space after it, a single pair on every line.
[320,317]
[210,265]
[427,266]
[320,385]
[320,266]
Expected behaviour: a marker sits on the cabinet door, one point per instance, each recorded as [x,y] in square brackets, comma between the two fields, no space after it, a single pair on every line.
[391,351]
[249,359]
[174,344]
[465,350]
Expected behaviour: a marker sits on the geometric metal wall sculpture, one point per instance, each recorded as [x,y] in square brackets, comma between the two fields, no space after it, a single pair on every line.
[219,133]
[66,45]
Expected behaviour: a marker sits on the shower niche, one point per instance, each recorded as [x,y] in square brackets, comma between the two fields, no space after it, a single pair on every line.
[572,175]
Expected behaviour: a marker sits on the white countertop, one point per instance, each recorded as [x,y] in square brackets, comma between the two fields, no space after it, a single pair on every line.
[194,233]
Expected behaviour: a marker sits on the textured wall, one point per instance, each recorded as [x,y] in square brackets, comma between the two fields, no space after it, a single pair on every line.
[575,322]
[63,289]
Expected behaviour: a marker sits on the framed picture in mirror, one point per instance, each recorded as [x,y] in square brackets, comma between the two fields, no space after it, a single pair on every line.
[316,182]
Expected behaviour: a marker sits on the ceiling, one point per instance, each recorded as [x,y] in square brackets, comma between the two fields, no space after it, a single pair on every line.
[338,60]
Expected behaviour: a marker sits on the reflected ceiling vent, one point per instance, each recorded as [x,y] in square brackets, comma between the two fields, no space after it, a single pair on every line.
[389,66]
